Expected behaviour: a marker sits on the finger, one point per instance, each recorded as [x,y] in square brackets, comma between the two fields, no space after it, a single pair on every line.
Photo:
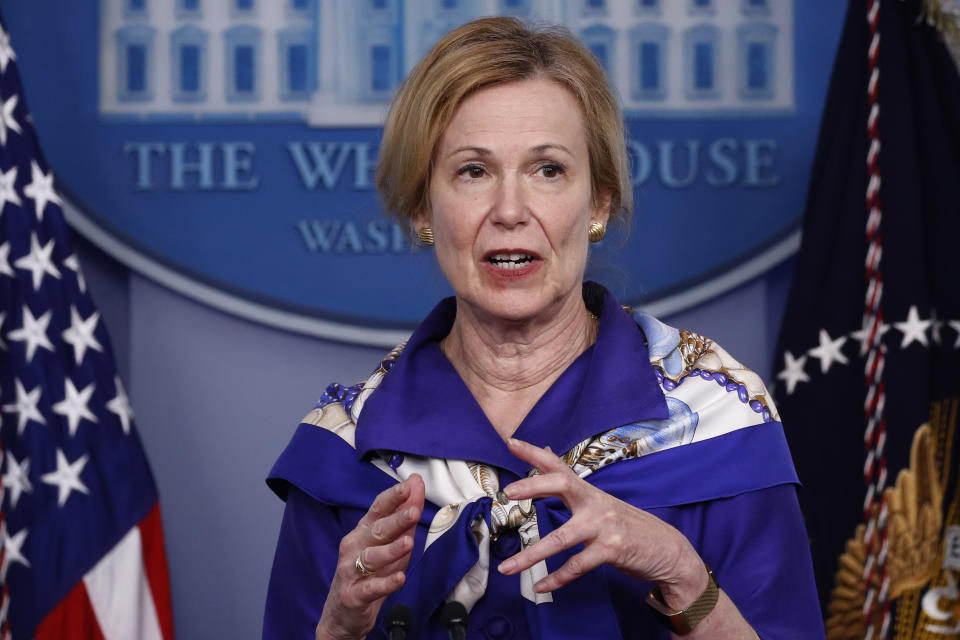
[403,521]
[381,558]
[543,459]
[387,529]
[415,485]
[575,566]
[570,534]
[566,486]
[368,590]
[415,493]
[385,503]
[415,499]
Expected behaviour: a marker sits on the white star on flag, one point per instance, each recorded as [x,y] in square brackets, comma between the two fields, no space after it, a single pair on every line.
[80,334]
[955,325]
[8,189]
[11,551]
[74,405]
[40,190]
[793,372]
[5,267]
[71,262]
[914,329]
[25,407]
[120,405]
[38,261]
[67,477]
[829,351]
[6,51]
[17,478]
[33,332]
[7,121]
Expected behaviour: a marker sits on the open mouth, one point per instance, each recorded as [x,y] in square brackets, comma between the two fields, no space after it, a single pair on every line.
[511,260]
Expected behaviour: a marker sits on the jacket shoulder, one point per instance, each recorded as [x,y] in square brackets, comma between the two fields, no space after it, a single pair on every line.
[679,355]
[339,406]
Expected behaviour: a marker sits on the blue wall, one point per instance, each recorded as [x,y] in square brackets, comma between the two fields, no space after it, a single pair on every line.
[217,398]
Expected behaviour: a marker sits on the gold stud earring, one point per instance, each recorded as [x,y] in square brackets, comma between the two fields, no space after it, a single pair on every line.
[596,231]
[426,236]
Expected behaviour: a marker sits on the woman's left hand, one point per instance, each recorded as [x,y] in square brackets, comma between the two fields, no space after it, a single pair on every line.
[612,531]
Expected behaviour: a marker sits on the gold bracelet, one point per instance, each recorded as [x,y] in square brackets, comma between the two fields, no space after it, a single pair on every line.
[683,621]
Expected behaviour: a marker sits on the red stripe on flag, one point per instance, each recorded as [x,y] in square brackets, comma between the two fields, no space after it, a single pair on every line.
[72,619]
[158,576]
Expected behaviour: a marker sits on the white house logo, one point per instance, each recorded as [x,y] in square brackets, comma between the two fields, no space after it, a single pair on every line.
[228,146]
[337,63]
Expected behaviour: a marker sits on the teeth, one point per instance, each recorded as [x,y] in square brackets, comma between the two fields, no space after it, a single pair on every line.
[510,260]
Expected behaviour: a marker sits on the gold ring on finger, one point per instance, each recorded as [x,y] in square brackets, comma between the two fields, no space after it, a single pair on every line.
[361,569]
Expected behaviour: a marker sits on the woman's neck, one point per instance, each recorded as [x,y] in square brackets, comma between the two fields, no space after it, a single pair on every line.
[508,366]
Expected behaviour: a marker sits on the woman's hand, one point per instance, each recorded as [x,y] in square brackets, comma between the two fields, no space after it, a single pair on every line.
[382,540]
[616,533]
[612,532]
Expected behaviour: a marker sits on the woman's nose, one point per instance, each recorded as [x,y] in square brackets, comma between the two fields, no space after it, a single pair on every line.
[510,206]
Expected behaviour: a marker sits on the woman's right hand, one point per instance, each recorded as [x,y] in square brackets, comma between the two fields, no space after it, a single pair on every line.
[382,540]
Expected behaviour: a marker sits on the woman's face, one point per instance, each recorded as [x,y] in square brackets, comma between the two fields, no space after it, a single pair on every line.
[511,200]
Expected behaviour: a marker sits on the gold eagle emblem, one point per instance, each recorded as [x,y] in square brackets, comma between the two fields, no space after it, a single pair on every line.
[914,549]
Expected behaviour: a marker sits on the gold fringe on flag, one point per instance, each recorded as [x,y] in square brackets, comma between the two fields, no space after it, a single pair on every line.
[944,16]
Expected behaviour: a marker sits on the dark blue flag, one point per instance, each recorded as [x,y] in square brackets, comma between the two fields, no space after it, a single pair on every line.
[868,369]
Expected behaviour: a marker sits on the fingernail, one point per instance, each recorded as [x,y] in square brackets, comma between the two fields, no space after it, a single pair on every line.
[410,513]
[548,448]
[503,567]
[508,491]
[513,442]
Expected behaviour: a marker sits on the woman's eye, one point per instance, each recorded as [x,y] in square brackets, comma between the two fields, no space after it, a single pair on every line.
[472,171]
[551,170]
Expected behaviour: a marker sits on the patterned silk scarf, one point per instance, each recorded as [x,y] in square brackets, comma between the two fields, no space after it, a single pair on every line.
[473,511]
[468,487]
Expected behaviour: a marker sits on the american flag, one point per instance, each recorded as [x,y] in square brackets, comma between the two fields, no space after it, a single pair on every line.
[82,553]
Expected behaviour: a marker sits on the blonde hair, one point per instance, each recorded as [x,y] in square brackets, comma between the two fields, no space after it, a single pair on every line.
[480,54]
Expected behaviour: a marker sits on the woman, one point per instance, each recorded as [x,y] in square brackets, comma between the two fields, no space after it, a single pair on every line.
[505,151]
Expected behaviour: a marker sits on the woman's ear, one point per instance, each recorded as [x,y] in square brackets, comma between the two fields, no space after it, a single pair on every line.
[601,209]
[420,220]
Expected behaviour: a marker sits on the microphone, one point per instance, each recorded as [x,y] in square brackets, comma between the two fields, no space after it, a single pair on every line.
[454,617]
[399,620]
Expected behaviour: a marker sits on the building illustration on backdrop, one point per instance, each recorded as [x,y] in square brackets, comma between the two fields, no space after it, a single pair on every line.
[338,62]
